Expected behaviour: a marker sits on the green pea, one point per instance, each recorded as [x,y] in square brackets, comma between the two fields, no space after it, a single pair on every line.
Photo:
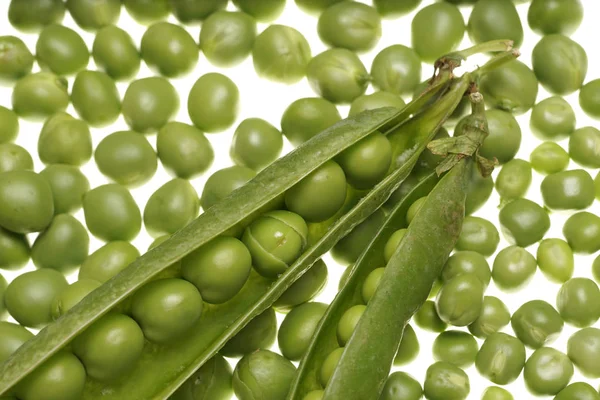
[14,250]
[227,38]
[374,101]
[212,381]
[546,17]
[329,365]
[9,126]
[315,6]
[514,180]
[584,147]
[427,318]
[188,11]
[437,30]
[568,190]
[401,386]
[578,302]
[396,69]
[582,231]
[149,103]
[220,184]
[578,391]
[306,117]
[367,162]
[414,209]
[547,371]
[28,298]
[478,191]
[493,317]
[444,381]
[94,14]
[147,11]
[459,301]
[337,75]
[559,63]
[350,247]
[409,346]
[26,203]
[350,25]
[512,87]
[467,262]
[552,119]
[68,185]
[392,244]
[183,150]
[596,268]
[536,324]
[555,258]
[348,322]
[111,213]
[589,98]
[478,235]
[13,336]
[3,285]
[71,296]
[60,377]
[395,9]
[213,103]
[169,49]
[281,54]
[262,10]
[549,158]
[32,15]
[583,348]
[314,395]
[62,246]
[495,20]
[496,393]
[65,140]
[115,53]
[255,144]
[95,98]
[370,284]
[297,329]
[61,50]
[14,158]
[523,222]
[501,358]
[304,288]
[263,374]
[504,137]
[171,207]
[38,96]
[108,261]
[259,333]
[16,60]
[455,347]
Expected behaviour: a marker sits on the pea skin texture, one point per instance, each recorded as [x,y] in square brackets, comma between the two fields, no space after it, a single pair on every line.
[496,393]
[512,87]
[546,17]
[115,53]
[16,60]
[39,95]
[504,138]
[14,158]
[108,261]
[13,337]
[31,16]
[514,180]
[478,235]
[444,381]
[94,14]
[281,54]
[501,358]
[396,69]
[367,162]
[493,317]
[263,374]
[169,49]
[350,25]
[392,244]
[213,103]
[459,301]
[183,150]
[211,381]
[192,11]
[147,11]
[578,302]
[14,250]
[455,347]
[555,259]
[409,347]
[306,117]
[552,119]
[584,147]
[437,30]
[579,391]
[583,348]
[329,365]
[371,283]
[259,333]
[95,98]
[348,322]
[523,222]
[549,158]
[255,144]
[227,38]
[467,262]
[264,11]
[589,98]
[304,288]
[65,140]
[218,269]
[70,296]
[220,184]
[495,20]
[568,190]
[9,128]
[537,324]
[338,75]
[400,385]
[297,329]
[582,231]
[513,268]
[149,103]
[547,371]
[61,50]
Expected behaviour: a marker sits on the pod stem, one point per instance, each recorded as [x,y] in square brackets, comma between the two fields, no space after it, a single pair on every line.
[496,61]
[493,46]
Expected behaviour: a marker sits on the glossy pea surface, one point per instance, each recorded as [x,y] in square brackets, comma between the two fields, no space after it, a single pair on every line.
[350,247]
[16,60]
[584,147]
[427,318]
[578,302]
[14,158]
[304,288]
[329,365]
[9,126]
[31,16]
[187,11]
[259,333]
[115,53]
[401,386]
[65,140]
[523,222]
[496,393]
[350,25]
[68,185]
[61,50]
[512,87]
[94,14]
[13,337]
[582,231]
[227,38]
[513,268]
[370,285]
[547,371]
[568,190]
[589,98]
[514,179]
[265,374]
[501,358]
[367,162]
[396,69]
[147,11]
[504,139]
[552,119]
[211,381]
[555,259]
[213,102]
[455,347]
[409,347]
[549,158]
[220,184]
[39,95]
[297,329]
[578,391]
[392,244]
[459,301]
[546,17]
[467,262]
[495,20]
[184,150]
[348,322]
[168,49]
[149,103]
[306,117]
[70,296]
[536,324]
[255,144]
[14,250]
[478,235]
[493,317]
[445,381]
[95,98]
[437,30]
[108,261]
[174,205]
[583,348]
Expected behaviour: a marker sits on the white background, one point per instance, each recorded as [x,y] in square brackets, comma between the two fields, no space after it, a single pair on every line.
[267,100]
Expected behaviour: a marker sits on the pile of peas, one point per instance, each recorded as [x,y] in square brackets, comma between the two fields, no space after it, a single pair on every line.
[39,210]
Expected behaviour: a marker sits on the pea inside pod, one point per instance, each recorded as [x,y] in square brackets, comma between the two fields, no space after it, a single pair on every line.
[297,329]
[263,373]
[212,381]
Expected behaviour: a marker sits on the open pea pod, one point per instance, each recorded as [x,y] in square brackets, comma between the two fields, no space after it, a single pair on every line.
[163,368]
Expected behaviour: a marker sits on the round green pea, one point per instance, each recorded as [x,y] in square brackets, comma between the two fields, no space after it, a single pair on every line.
[212,381]
[370,284]
[115,53]
[213,102]
[108,261]
[479,191]
[329,365]
[467,262]
[26,203]
[68,185]
[149,103]
[16,60]
[374,101]
[495,20]
[275,241]
[147,11]
[297,329]
[304,288]
[547,371]
[166,309]
[255,144]
[9,126]
[414,208]
[401,386]
[350,25]
[171,207]
[549,158]
[582,231]
[65,140]
[504,137]
[578,391]
[559,63]
[39,95]
[227,38]
[455,347]
[460,299]
[184,150]
[262,10]
[192,11]
[348,322]
[169,49]
[13,336]
[514,179]
[14,158]
[501,358]
[568,190]
[263,374]
[71,296]
[258,334]
[224,181]
[337,75]
[584,147]
[306,117]
[95,98]
[578,302]
[583,348]
[409,347]
[315,6]
[14,250]
[478,235]
[32,15]
[350,247]
[536,324]
[496,393]
[523,222]
[513,87]
[94,14]
[281,54]
[62,377]
[444,381]
[367,162]
[552,119]
[437,30]
[555,259]
[314,395]
[61,50]
[546,17]
[28,298]
[493,317]
[396,69]
[111,213]
[589,98]
[395,9]
[427,318]
[392,244]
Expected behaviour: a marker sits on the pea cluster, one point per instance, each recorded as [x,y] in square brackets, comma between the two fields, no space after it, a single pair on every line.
[264,247]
